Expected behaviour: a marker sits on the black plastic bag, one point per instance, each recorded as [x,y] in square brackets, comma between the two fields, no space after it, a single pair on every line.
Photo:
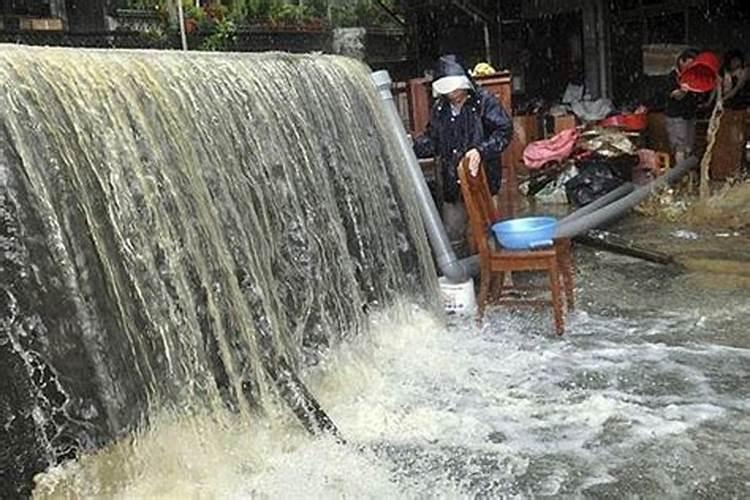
[597,177]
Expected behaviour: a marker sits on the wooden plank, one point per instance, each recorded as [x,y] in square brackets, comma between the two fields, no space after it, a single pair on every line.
[564,122]
[500,85]
[419,104]
[525,131]
[729,148]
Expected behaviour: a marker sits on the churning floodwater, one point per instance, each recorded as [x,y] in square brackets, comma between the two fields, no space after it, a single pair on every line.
[645,397]
[182,230]
[174,225]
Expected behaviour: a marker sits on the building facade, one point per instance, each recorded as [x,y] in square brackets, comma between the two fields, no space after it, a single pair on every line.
[77,16]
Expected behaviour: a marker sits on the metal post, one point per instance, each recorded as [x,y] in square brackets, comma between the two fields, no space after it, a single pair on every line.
[487,43]
[181,20]
[601,38]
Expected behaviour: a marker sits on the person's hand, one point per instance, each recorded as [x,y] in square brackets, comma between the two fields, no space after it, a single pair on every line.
[679,93]
[475,159]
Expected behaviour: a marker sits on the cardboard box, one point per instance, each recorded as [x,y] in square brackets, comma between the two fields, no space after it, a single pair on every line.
[41,24]
[659,59]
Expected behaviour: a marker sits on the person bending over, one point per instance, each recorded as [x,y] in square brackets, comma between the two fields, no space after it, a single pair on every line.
[681,109]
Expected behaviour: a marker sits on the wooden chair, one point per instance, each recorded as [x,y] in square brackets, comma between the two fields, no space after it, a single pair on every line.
[495,262]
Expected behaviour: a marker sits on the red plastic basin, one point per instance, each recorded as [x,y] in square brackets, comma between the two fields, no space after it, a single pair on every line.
[701,74]
[634,121]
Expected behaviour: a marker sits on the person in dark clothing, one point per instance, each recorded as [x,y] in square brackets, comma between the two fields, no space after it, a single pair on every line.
[466,122]
[681,109]
[736,90]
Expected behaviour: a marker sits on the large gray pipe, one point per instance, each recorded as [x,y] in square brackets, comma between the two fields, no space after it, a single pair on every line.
[452,268]
[600,202]
[572,227]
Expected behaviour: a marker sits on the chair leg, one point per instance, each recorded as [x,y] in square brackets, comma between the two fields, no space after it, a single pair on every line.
[566,266]
[484,290]
[554,278]
[508,280]
[497,286]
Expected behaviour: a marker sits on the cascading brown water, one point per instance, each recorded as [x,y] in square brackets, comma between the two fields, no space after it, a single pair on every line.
[171,223]
[134,187]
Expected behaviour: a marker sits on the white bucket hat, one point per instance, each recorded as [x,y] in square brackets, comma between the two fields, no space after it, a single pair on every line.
[448,84]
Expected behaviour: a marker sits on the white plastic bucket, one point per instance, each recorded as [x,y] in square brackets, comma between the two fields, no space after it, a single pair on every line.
[458,298]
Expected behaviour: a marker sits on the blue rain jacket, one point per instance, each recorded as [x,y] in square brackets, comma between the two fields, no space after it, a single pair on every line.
[482,124]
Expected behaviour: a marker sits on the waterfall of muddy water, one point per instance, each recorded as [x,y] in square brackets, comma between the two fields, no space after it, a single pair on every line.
[167,218]
[169,221]
[647,396]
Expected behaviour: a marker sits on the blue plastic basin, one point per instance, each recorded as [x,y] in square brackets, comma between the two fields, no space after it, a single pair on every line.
[526,233]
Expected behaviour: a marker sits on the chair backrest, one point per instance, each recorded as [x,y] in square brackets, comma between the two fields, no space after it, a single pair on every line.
[480,208]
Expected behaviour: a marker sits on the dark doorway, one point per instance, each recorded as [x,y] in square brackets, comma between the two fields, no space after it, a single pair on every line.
[87,16]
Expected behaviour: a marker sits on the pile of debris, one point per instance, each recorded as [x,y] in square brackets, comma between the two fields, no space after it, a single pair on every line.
[665,203]
[579,165]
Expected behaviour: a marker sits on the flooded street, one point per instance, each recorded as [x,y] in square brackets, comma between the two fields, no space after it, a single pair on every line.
[221,266]
[226,229]
[646,395]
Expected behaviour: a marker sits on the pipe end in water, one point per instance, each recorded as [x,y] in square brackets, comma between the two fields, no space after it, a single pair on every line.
[382,80]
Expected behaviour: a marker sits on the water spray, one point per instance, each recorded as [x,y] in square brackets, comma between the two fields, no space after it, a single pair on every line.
[300,400]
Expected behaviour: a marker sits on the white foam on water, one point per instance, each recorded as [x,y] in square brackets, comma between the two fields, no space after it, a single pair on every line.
[452,412]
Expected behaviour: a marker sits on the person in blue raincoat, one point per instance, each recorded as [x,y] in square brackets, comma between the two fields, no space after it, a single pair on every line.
[465,121]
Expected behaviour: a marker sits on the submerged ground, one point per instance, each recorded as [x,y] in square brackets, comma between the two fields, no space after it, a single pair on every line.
[648,395]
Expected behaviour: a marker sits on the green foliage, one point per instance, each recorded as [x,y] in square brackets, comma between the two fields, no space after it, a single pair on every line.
[287,13]
[254,10]
[347,13]
[271,11]
[342,13]
[223,37]
[317,8]
[144,4]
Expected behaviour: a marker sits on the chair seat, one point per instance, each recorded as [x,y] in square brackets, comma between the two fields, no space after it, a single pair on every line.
[521,260]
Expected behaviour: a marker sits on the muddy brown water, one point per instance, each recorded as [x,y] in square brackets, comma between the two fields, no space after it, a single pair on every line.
[646,396]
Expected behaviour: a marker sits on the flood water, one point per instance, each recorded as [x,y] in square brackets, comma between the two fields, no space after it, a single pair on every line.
[180,233]
[645,397]
[151,289]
